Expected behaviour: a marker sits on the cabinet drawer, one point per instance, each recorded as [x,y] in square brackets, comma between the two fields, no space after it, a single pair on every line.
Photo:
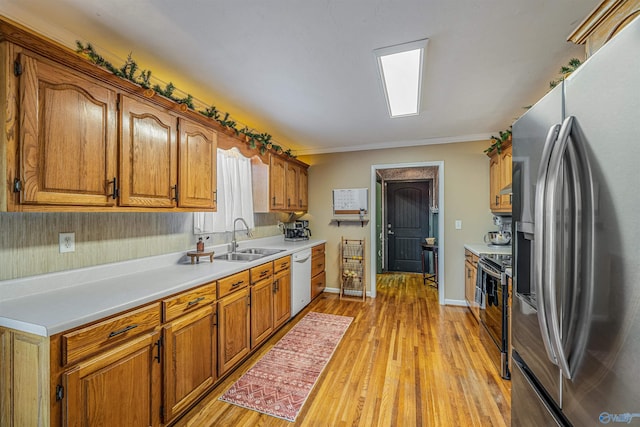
[261,272]
[282,264]
[470,257]
[185,302]
[233,283]
[318,283]
[79,344]
[317,250]
[317,265]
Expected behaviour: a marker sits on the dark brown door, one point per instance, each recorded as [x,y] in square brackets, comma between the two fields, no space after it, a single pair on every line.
[407,224]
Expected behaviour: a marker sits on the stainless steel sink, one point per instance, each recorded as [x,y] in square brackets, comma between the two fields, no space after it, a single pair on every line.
[260,251]
[247,255]
[239,257]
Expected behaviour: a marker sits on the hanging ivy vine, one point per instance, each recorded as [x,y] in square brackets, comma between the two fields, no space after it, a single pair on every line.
[129,71]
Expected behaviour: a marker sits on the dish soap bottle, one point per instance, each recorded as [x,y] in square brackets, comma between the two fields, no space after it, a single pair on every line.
[200,245]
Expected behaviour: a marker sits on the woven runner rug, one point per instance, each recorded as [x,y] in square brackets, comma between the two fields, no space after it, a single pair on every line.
[280,382]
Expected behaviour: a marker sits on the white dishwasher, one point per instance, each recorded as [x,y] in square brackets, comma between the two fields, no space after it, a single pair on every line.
[300,281]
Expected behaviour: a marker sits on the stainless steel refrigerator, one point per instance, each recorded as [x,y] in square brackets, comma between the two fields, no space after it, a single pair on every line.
[576,215]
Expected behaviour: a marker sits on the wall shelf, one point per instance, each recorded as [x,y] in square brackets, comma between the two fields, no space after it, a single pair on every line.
[362,221]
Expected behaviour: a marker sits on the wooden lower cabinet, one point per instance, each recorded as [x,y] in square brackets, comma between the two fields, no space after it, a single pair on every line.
[190,363]
[470,274]
[281,297]
[120,387]
[233,329]
[261,311]
[24,379]
[318,283]
[147,366]
[318,276]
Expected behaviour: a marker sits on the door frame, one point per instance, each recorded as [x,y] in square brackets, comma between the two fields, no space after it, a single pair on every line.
[373,213]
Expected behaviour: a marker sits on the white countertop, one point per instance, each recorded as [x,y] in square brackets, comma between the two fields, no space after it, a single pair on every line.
[51,303]
[483,248]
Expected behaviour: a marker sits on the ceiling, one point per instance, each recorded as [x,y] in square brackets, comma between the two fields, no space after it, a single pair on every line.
[304,71]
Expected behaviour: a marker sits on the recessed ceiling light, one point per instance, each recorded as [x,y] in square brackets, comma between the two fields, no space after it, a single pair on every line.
[400,69]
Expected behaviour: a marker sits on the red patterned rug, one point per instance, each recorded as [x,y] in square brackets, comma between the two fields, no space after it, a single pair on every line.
[280,382]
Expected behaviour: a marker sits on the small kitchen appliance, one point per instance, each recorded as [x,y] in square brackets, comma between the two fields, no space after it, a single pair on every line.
[502,237]
[296,230]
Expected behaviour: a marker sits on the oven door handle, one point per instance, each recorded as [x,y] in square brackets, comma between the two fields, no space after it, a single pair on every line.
[491,272]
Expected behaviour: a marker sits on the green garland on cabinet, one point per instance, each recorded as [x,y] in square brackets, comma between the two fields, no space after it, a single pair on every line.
[565,70]
[129,71]
[498,141]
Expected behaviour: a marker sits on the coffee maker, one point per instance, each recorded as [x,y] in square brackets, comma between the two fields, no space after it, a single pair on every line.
[296,230]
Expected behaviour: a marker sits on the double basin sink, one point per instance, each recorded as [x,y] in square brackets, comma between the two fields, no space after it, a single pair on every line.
[247,255]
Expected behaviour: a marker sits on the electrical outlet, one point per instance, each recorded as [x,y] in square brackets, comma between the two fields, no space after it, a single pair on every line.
[67,242]
[458,224]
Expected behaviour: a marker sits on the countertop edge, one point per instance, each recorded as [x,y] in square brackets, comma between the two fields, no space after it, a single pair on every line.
[24,312]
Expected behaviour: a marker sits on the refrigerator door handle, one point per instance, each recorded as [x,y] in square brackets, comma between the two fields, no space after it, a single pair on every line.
[554,233]
[539,240]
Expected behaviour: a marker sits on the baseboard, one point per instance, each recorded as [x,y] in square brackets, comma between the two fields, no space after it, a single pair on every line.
[462,303]
[337,291]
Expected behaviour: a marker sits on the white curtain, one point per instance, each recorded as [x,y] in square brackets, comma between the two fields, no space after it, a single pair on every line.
[235,195]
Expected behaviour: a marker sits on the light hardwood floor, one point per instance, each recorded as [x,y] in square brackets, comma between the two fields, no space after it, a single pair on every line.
[404,361]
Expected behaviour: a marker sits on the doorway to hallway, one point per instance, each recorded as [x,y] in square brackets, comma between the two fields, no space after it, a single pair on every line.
[383,174]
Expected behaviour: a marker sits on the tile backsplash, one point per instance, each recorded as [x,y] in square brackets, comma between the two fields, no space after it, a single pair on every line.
[29,241]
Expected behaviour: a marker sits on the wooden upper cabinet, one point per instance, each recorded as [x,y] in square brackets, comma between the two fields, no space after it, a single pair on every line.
[500,168]
[604,22]
[292,172]
[288,182]
[197,173]
[68,136]
[303,189]
[148,155]
[277,190]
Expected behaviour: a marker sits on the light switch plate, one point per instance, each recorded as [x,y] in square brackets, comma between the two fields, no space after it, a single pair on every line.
[67,242]
[458,224]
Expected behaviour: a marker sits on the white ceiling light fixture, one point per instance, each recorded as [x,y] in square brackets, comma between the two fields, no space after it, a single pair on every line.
[400,69]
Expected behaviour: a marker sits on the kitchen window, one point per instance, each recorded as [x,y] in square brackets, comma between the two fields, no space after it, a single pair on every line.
[235,195]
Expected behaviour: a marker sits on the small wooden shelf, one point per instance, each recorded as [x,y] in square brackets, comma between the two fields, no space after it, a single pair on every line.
[362,221]
[352,269]
[196,255]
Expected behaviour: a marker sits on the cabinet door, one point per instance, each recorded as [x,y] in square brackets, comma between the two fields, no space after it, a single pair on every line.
[282,297]
[277,190]
[292,173]
[148,158]
[120,387]
[189,359]
[68,137]
[495,177]
[197,173]
[318,283]
[261,311]
[470,288]
[303,189]
[233,329]
[505,177]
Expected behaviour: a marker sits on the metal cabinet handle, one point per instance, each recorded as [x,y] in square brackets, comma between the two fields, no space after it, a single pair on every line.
[122,331]
[195,301]
[176,194]
[116,190]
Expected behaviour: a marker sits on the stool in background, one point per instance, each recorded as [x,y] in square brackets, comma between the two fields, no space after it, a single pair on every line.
[433,280]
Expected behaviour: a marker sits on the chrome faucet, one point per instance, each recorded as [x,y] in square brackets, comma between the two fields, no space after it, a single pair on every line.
[234,243]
